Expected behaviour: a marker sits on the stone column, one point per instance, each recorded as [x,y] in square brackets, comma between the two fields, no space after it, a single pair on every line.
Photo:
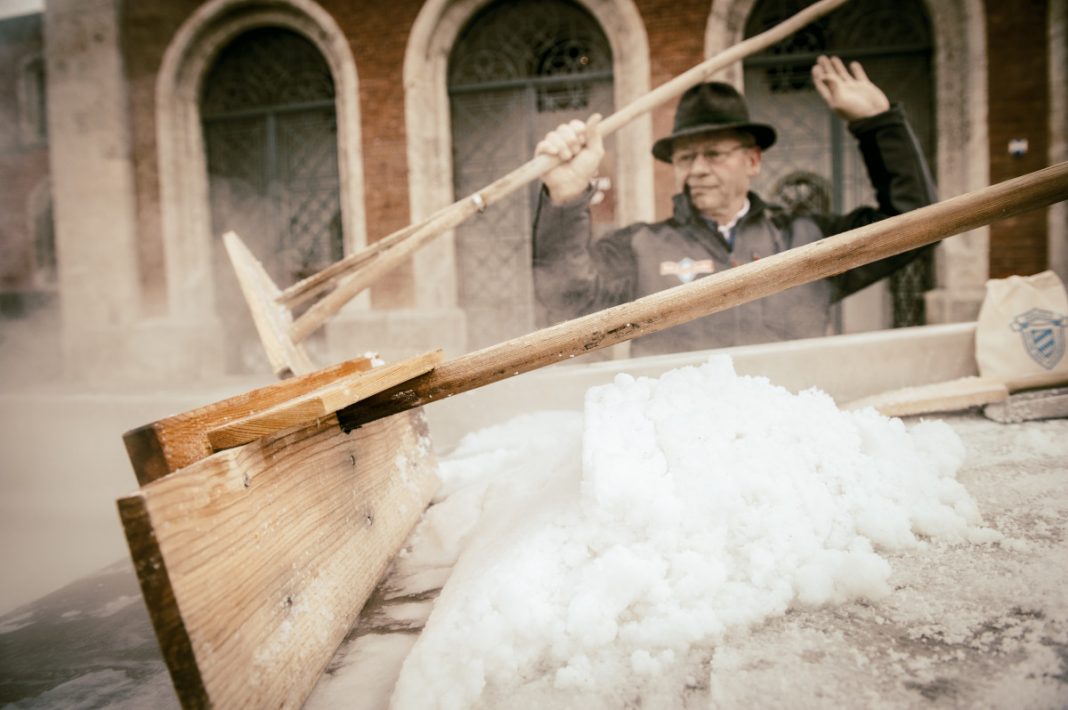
[962,262]
[105,334]
[92,181]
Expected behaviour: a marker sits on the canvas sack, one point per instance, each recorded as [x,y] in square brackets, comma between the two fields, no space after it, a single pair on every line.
[1022,328]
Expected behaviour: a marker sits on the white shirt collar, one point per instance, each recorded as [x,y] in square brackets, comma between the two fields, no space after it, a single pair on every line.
[726,228]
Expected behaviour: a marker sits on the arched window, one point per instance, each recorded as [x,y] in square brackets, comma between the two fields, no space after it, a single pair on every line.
[33,102]
[892,39]
[517,70]
[270,132]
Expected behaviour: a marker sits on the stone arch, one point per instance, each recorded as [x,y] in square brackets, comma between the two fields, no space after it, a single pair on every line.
[429,133]
[185,212]
[963,163]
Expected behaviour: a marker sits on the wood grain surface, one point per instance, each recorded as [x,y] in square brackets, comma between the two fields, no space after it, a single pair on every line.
[166,445]
[256,561]
[321,402]
[273,322]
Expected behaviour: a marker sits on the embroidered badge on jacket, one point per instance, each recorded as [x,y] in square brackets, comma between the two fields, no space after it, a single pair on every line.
[686,268]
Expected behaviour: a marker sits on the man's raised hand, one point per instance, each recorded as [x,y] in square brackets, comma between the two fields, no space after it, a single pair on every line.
[847,92]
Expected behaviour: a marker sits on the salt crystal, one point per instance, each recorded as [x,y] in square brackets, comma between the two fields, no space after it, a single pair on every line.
[596,555]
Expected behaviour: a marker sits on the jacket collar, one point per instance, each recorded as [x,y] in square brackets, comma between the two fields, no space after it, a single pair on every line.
[686,213]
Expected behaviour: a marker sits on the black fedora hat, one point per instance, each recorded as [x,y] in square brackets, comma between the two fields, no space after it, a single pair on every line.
[713,106]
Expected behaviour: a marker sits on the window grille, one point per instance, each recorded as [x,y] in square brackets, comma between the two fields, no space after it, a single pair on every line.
[517,70]
[270,134]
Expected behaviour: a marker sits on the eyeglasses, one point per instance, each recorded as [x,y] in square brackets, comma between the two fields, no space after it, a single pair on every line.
[686,158]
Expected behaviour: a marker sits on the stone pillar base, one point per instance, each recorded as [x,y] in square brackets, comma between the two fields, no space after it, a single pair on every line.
[395,334]
[945,306]
[157,351]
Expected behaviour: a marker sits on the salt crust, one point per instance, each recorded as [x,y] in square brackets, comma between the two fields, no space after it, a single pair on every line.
[594,554]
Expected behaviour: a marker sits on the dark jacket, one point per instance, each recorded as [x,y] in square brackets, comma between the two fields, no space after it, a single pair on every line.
[575,274]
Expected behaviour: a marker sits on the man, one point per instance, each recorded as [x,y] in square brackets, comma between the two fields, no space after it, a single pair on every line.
[715,151]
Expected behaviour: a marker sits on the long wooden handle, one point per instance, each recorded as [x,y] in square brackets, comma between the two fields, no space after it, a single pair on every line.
[313,285]
[402,244]
[721,291]
[953,395]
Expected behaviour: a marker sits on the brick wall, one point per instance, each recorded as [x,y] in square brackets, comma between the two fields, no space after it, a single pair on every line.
[676,32]
[1017,95]
[1019,108]
[379,39]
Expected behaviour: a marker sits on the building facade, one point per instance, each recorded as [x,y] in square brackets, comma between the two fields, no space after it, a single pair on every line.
[315,128]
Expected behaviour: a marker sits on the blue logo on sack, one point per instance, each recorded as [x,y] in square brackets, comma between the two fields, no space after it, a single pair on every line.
[1043,335]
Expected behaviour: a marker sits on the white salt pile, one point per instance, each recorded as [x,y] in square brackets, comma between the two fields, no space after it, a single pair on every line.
[600,554]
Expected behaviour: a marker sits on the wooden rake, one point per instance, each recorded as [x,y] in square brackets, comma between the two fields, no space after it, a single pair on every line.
[343,280]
